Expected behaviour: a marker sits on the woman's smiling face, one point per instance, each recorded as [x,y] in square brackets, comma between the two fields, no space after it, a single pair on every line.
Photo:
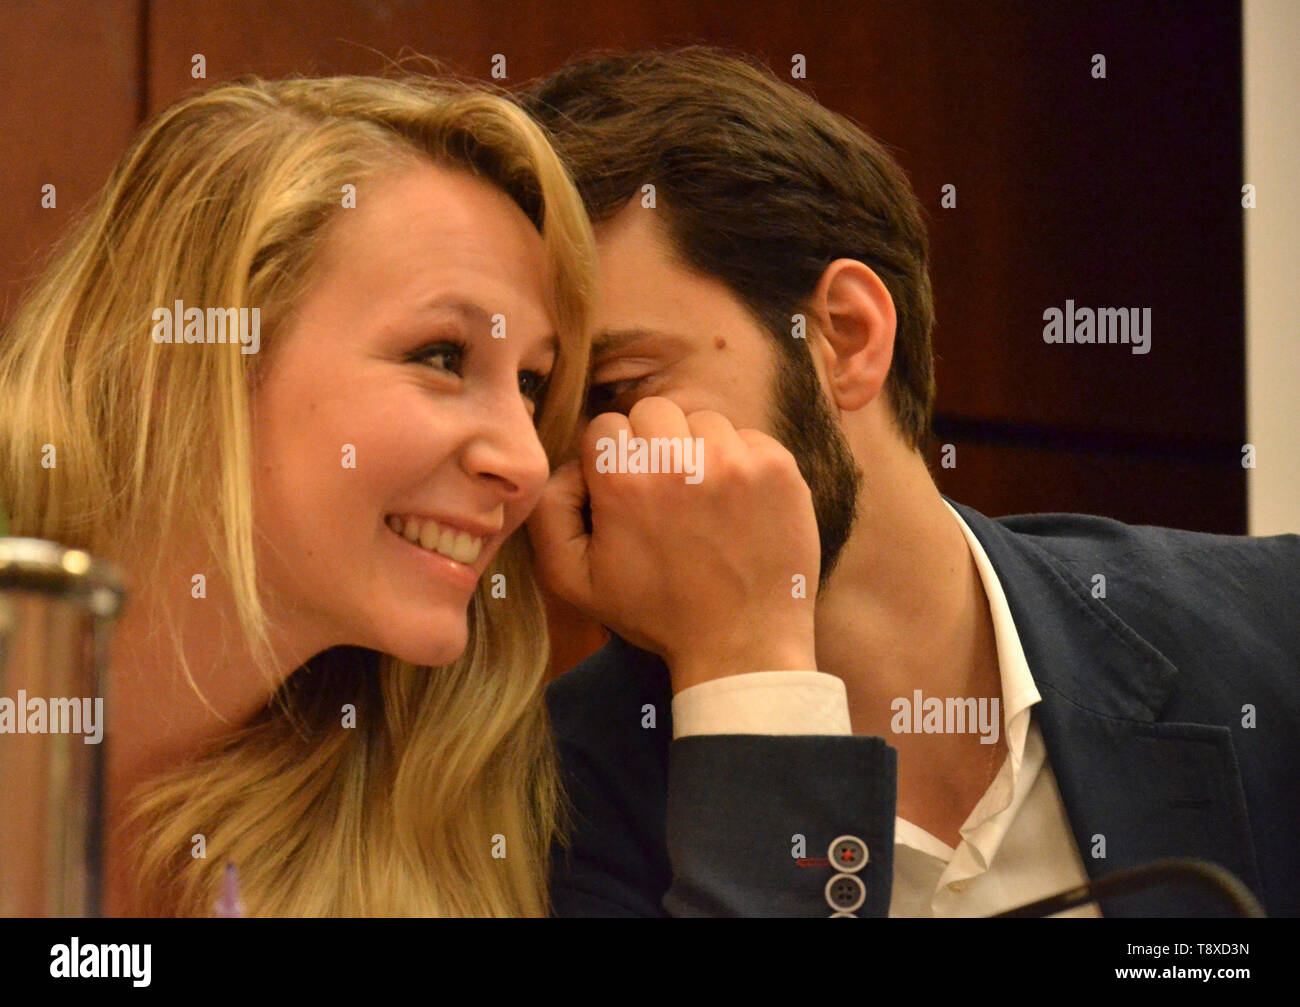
[398,404]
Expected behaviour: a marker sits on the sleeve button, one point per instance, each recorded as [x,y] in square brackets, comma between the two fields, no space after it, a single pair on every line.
[848,854]
[845,892]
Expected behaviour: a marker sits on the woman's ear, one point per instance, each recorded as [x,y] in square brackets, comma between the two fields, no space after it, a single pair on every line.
[856,320]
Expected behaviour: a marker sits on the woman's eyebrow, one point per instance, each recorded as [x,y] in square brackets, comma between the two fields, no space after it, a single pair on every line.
[478,317]
[470,311]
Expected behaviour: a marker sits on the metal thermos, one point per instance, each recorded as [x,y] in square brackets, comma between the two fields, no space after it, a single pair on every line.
[57,607]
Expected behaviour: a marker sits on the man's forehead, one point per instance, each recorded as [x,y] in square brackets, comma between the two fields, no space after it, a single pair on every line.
[649,298]
[635,273]
[634,224]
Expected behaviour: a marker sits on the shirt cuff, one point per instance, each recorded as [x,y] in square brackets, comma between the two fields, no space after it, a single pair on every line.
[764,702]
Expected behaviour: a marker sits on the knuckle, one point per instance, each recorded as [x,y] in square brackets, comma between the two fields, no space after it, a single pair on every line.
[652,406]
[707,420]
[604,425]
[780,462]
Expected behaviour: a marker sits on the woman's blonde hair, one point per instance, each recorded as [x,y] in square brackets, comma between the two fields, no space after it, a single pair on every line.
[223,200]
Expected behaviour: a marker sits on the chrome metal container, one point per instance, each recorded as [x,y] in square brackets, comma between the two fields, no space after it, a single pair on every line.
[57,607]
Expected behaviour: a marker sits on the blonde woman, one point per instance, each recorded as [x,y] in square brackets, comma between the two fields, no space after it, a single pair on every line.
[302,367]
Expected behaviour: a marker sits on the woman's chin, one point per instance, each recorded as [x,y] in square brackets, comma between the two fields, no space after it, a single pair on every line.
[442,647]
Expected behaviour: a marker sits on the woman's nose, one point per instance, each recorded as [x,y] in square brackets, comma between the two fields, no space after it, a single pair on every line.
[505,449]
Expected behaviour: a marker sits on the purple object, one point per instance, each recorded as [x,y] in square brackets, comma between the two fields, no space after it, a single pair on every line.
[229,905]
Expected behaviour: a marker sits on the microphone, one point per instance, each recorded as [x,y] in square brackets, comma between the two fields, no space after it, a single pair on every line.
[1140,878]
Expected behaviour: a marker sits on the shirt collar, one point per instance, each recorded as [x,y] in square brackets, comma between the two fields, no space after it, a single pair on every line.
[1019,692]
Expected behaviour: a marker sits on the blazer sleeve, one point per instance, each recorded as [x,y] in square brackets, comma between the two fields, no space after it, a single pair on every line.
[724,830]
[750,816]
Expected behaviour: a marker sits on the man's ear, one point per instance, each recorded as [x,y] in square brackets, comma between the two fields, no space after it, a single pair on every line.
[856,320]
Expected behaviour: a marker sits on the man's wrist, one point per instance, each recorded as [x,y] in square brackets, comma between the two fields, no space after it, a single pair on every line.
[706,666]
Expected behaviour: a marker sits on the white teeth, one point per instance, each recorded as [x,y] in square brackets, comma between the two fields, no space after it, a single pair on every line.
[466,548]
[428,534]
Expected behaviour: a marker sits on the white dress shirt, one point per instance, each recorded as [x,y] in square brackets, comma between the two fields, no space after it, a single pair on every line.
[1016,843]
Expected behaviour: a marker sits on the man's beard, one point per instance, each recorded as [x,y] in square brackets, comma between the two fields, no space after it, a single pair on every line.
[802,420]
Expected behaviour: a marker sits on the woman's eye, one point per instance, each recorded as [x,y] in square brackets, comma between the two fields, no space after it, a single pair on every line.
[611,396]
[449,356]
[444,356]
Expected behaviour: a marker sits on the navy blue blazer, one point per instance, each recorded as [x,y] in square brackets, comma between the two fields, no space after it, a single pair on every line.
[1170,712]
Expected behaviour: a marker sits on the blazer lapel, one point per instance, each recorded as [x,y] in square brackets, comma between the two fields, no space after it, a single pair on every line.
[1135,787]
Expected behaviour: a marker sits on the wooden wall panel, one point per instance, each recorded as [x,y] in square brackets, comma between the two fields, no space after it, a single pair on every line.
[1135,486]
[68,107]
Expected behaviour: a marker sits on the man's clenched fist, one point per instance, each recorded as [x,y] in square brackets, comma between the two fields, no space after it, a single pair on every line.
[703,546]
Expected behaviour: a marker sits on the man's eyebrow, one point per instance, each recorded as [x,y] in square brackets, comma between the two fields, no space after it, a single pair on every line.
[608,341]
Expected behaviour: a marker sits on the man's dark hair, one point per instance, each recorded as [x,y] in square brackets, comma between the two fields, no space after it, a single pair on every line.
[759,187]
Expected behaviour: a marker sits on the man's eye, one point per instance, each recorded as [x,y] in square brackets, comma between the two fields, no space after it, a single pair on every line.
[612,396]
[442,356]
[533,385]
